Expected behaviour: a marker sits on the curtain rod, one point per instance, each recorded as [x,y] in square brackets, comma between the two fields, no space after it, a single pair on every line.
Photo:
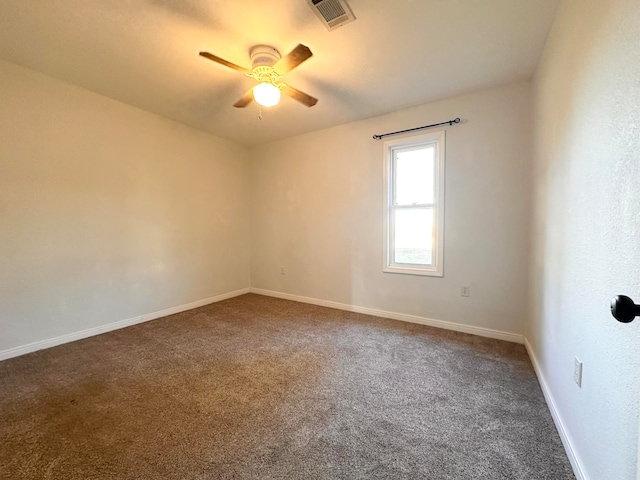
[450,122]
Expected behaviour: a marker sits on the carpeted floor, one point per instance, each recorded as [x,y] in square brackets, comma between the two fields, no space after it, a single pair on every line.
[261,388]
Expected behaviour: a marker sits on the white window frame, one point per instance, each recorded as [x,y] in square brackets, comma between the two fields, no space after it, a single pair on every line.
[437,139]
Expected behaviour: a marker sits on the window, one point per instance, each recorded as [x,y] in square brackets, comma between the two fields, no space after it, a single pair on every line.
[414,205]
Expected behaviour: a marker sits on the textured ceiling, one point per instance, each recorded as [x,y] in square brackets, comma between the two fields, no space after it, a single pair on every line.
[398,53]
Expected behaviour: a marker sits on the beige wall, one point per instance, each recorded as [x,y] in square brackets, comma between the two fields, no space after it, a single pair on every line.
[108,212]
[587,231]
[316,208]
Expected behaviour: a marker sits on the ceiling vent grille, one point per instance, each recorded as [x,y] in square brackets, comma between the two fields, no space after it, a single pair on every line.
[332,13]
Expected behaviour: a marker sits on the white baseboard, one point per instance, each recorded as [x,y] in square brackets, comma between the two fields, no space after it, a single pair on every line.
[555,414]
[89,332]
[458,327]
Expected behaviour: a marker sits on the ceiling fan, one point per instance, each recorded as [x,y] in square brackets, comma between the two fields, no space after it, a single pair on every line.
[267,68]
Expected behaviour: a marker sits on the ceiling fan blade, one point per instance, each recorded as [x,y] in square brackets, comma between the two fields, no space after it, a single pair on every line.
[301,97]
[245,100]
[293,59]
[222,61]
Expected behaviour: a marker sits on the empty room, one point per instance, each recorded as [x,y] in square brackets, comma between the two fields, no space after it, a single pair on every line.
[320,239]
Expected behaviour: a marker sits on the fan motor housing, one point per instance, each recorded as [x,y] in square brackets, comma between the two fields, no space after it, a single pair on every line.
[263,55]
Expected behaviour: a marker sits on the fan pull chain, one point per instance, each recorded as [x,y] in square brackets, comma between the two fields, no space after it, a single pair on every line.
[260,113]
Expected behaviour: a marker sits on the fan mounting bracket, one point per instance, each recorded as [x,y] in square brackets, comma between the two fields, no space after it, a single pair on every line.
[263,56]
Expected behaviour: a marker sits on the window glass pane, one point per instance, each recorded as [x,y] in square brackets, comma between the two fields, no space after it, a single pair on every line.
[414,176]
[414,236]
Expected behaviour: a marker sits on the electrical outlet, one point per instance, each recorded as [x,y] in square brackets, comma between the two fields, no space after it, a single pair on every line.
[282,271]
[464,290]
[577,372]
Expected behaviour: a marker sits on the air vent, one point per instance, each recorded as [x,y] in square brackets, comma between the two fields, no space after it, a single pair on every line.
[333,13]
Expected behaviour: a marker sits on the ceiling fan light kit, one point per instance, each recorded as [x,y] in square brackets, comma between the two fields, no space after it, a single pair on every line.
[266,94]
[267,68]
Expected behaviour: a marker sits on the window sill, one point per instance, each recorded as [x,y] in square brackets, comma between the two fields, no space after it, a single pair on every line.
[428,272]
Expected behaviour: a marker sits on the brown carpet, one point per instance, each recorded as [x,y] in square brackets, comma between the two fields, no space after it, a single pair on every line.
[261,388]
